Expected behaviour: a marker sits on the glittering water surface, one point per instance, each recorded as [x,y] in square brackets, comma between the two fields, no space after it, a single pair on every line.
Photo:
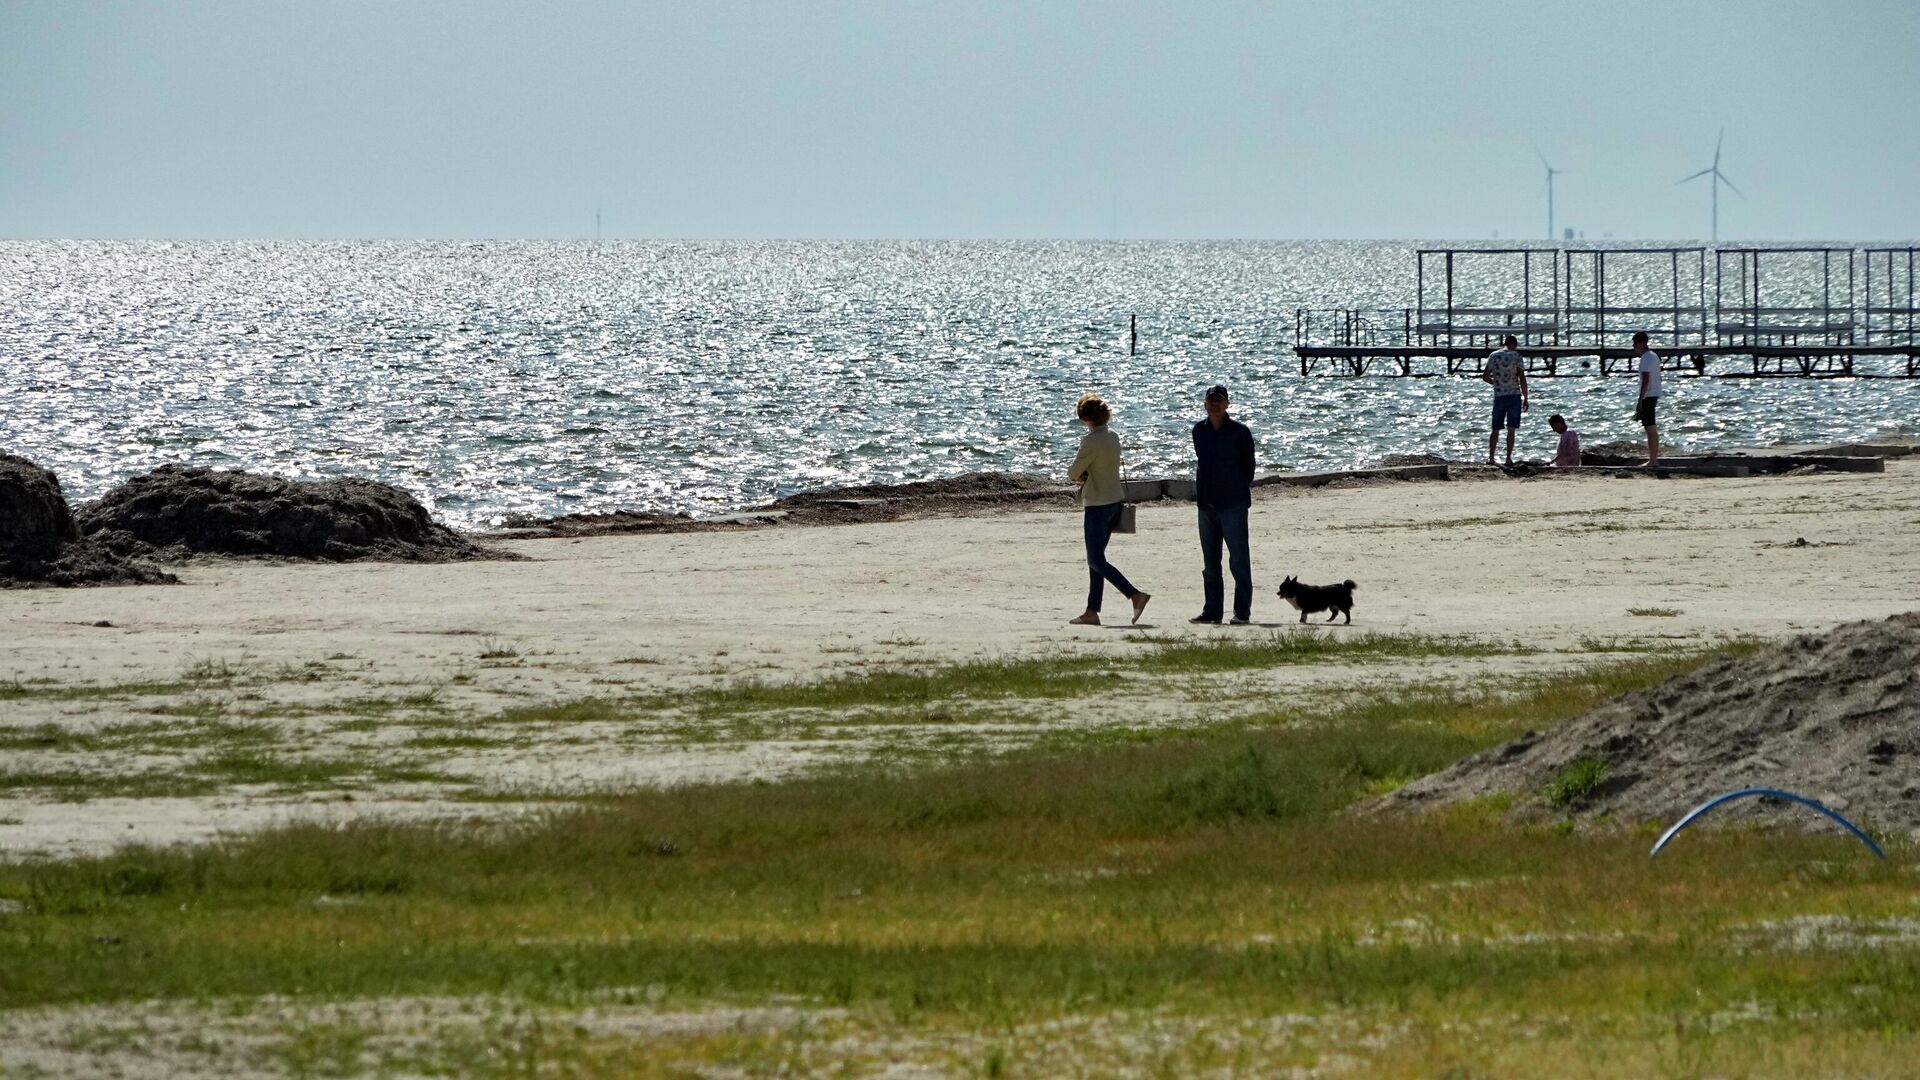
[547,378]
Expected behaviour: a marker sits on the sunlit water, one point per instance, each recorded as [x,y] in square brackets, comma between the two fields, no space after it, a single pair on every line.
[547,378]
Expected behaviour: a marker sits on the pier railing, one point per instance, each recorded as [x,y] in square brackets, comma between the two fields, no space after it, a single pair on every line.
[1356,329]
[1784,311]
[1889,315]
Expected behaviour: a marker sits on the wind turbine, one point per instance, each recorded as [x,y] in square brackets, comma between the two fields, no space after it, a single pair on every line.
[1551,173]
[1719,178]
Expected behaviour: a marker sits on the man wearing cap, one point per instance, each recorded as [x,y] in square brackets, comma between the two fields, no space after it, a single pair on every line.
[1223,486]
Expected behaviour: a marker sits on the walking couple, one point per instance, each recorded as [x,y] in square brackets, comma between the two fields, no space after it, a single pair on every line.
[1223,487]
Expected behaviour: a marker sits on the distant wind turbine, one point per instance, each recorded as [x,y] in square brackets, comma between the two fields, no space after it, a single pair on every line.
[1719,178]
[1551,173]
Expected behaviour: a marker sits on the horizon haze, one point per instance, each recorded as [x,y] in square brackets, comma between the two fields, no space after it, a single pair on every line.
[860,120]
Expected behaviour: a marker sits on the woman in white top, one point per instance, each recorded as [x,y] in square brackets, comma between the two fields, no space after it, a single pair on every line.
[1096,469]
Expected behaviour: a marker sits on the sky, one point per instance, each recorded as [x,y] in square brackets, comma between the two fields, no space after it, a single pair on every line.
[956,119]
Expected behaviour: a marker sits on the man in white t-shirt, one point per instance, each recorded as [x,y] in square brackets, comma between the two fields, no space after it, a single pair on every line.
[1648,403]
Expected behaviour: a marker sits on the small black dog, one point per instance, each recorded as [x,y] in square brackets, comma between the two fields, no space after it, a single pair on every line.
[1334,599]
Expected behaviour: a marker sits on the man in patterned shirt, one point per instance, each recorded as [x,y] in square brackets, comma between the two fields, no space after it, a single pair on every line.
[1506,371]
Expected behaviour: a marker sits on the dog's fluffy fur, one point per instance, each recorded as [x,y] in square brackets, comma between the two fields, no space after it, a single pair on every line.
[1333,599]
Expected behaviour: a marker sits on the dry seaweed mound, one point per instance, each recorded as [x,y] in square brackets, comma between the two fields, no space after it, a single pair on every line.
[1401,461]
[1833,716]
[40,544]
[200,511]
[826,506]
[34,520]
[976,487]
[612,523]
[891,502]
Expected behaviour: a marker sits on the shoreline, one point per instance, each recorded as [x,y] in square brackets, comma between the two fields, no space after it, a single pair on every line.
[994,491]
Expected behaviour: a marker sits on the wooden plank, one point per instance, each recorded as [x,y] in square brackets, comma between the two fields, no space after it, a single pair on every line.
[1878,450]
[1779,463]
[1666,467]
[1752,463]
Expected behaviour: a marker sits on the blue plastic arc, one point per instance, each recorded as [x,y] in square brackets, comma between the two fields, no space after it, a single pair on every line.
[1776,793]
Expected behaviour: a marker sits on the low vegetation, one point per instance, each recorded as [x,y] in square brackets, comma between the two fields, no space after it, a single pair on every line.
[1575,782]
[1191,901]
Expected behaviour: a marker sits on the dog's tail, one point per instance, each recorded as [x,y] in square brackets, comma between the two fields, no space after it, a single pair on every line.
[1350,585]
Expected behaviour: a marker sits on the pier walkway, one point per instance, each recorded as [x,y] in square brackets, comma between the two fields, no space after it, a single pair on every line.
[1774,313]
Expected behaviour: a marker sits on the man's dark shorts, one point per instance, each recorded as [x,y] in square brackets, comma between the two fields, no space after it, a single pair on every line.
[1506,411]
[1644,411]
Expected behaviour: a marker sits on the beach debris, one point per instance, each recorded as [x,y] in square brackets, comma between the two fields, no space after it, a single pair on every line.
[34,519]
[825,506]
[185,511]
[1394,461]
[35,524]
[889,502]
[1771,793]
[1837,713]
[40,542]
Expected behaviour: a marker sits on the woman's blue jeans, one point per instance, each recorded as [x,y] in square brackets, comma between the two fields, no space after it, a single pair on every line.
[1097,524]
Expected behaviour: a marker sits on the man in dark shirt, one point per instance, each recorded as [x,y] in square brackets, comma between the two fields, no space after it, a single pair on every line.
[1223,486]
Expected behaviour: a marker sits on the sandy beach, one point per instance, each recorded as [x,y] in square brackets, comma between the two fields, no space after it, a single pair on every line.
[365,657]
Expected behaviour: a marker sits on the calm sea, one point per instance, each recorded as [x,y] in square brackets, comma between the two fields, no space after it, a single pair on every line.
[547,378]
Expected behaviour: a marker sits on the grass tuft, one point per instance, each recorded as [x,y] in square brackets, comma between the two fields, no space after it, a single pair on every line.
[1573,784]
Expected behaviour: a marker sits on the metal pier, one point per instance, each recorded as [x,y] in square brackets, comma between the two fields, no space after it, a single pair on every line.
[1777,312]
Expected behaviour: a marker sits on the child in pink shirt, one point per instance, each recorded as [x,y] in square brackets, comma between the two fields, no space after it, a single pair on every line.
[1568,455]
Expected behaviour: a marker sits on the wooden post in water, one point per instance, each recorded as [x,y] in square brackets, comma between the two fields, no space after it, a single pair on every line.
[1133,335]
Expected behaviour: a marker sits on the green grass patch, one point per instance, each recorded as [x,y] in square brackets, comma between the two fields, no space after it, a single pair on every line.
[240,760]
[1081,675]
[381,706]
[166,736]
[17,691]
[289,772]
[39,737]
[591,710]
[1576,782]
[452,740]
[191,709]
[1294,647]
[198,675]
[864,882]
[498,650]
[78,785]
[1654,612]
[1211,875]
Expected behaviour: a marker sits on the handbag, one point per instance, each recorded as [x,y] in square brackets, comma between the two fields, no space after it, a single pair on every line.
[1123,521]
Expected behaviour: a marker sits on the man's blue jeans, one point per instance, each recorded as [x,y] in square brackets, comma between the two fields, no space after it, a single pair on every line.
[1226,524]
